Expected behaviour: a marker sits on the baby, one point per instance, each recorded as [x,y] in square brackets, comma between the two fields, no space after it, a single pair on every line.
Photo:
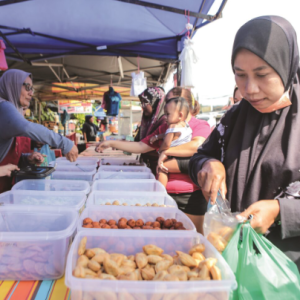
[178,132]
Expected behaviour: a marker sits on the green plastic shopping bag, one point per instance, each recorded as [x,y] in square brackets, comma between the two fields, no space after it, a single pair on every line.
[262,271]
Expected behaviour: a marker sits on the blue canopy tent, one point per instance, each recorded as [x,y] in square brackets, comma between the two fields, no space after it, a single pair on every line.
[47,31]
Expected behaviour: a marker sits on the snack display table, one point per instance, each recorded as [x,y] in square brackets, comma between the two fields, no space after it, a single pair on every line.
[34,290]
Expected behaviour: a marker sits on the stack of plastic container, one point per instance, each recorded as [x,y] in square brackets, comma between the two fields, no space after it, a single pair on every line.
[82,169]
[123,188]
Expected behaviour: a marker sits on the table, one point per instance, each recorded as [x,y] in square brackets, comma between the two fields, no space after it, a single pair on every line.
[34,290]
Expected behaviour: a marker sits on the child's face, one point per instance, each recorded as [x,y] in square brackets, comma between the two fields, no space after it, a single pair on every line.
[172,113]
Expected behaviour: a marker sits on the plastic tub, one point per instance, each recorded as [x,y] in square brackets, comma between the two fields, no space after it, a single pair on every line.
[151,185]
[35,241]
[131,198]
[123,169]
[123,175]
[75,200]
[52,185]
[86,176]
[80,159]
[130,242]
[115,161]
[109,212]
[75,168]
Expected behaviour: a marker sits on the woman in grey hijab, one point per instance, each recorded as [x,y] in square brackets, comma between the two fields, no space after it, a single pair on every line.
[16,92]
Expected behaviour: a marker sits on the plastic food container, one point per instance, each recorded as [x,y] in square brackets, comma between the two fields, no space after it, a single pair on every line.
[131,161]
[130,242]
[80,160]
[123,175]
[35,241]
[109,212]
[75,168]
[80,175]
[123,169]
[151,185]
[53,185]
[131,198]
[75,200]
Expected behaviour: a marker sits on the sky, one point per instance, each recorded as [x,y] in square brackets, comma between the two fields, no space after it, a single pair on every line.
[214,43]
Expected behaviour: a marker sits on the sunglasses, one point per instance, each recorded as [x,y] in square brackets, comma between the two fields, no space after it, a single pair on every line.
[28,87]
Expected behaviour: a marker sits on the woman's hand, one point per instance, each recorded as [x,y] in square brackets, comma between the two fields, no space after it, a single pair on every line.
[153,139]
[6,170]
[102,146]
[211,178]
[72,154]
[35,158]
[264,214]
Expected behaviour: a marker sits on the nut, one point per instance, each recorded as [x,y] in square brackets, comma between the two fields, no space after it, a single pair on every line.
[107,203]
[102,221]
[168,223]
[155,205]
[174,221]
[87,221]
[89,225]
[177,225]
[122,224]
[95,224]
[105,226]
[114,227]
[139,223]
[131,223]
[111,222]
[156,224]
[116,202]
[125,204]
[148,223]
[160,220]
[138,204]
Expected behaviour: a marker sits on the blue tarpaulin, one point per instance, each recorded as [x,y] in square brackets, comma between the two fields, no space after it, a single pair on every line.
[55,28]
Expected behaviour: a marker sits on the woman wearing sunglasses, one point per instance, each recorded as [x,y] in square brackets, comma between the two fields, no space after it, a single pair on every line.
[16,92]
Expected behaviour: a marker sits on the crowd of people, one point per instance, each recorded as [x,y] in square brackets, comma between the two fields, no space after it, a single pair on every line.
[251,157]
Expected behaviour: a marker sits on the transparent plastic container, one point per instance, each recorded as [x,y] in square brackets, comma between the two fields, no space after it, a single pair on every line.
[80,159]
[129,242]
[75,200]
[151,185]
[123,175]
[109,212]
[115,161]
[52,185]
[131,198]
[35,241]
[75,168]
[80,175]
[123,169]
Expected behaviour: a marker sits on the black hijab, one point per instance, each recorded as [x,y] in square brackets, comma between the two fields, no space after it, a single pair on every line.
[263,152]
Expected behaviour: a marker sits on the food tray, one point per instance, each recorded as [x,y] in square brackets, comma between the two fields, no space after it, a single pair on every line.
[53,185]
[130,242]
[123,169]
[131,198]
[109,212]
[35,241]
[79,167]
[109,184]
[86,176]
[123,175]
[115,161]
[75,200]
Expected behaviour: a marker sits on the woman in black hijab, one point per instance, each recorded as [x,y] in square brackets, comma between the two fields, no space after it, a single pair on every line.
[254,153]
[89,129]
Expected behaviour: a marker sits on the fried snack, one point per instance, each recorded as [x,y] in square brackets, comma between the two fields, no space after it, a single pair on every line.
[204,273]
[162,265]
[125,270]
[215,273]
[87,221]
[99,258]
[89,253]
[90,272]
[170,277]
[82,245]
[128,263]
[217,241]
[139,223]
[138,274]
[111,267]
[102,221]
[154,259]
[130,257]
[152,249]
[148,274]
[167,257]
[111,222]
[175,268]
[160,275]
[82,261]
[192,275]
[118,258]
[197,248]
[93,265]
[116,202]
[107,277]
[141,260]
[79,272]
[128,276]
[181,275]
[187,260]
[226,233]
